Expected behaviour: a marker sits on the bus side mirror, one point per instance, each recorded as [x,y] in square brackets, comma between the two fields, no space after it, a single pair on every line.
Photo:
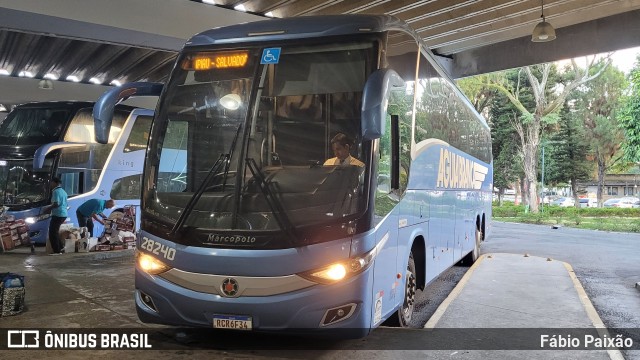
[103,109]
[42,152]
[375,98]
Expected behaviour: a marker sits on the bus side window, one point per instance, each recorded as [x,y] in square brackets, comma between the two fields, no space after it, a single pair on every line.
[402,57]
[139,135]
[126,188]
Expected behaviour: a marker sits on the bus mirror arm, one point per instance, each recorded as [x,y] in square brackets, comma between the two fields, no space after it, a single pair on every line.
[104,107]
[375,98]
[44,150]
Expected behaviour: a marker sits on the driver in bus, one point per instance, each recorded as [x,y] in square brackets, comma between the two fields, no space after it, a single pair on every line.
[341,146]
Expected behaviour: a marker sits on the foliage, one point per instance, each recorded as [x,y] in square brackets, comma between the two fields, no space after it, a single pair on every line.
[507,160]
[542,82]
[630,116]
[566,150]
[511,210]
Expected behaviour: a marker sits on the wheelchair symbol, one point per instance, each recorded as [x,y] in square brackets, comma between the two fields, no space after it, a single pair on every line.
[270,56]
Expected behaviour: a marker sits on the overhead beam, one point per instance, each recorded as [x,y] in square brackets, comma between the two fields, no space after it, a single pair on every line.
[607,34]
[22,90]
[163,25]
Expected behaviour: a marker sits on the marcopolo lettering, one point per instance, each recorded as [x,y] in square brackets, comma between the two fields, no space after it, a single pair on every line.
[231,239]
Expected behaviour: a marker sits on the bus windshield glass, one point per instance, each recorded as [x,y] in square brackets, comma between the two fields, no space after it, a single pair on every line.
[33,126]
[20,186]
[243,139]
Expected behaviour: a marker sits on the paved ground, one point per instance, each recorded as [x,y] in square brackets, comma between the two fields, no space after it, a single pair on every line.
[82,290]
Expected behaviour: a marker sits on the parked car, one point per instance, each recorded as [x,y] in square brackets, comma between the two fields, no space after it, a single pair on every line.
[548,197]
[610,202]
[588,202]
[627,202]
[563,202]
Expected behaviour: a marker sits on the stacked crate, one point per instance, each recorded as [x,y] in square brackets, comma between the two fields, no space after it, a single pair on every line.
[13,233]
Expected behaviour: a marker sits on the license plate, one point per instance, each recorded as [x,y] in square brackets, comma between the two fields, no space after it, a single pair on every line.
[236,322]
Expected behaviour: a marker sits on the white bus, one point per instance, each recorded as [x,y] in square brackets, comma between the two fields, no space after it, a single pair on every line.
[40,140]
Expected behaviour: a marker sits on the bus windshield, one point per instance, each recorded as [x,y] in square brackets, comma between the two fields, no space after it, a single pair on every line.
[20,186]
[242,139]
[33,126]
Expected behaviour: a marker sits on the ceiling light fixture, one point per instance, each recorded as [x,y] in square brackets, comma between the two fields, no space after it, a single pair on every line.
[51,76]
[2,108]
[269,14]
[210,2]
[543,31]
[4,72]
[240,7]
[28,74]
[95,80]
[45,84]
[115,83]
[73,78]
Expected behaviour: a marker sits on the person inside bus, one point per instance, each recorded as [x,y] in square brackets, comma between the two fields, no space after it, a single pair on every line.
[93,209]
[341,146]
[58,210]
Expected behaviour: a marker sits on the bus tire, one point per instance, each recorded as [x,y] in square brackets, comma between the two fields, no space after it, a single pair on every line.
[403,316]
[475,254]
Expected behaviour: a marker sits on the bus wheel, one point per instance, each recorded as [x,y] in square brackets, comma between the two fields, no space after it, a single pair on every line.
[405,313]
[402,317]
[471,257]
[475,254]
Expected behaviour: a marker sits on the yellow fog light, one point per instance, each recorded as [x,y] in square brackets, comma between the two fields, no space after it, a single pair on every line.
[151,265]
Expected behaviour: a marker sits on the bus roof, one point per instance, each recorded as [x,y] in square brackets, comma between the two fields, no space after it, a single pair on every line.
[298,27]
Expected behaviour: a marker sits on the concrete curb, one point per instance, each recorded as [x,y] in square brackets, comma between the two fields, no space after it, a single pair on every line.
[591,311]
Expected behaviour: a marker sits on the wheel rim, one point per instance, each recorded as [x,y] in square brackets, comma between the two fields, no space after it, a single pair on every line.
[409,298]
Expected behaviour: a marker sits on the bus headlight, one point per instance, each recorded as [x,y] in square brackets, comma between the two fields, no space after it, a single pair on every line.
[34,219]
[336,272]
[150,265]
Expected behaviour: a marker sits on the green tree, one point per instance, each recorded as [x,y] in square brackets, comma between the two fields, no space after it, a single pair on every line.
[566,155]
[507,162]
[630,116]
[540,81]
[599,103]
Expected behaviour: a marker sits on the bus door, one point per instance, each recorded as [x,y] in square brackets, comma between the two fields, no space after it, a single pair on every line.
[388,290]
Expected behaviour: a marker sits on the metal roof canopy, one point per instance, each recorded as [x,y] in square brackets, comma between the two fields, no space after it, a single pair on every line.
[137,40]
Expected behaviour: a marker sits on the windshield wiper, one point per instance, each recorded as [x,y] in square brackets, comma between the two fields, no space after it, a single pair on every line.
[276,208]
[222,159]
[196,196]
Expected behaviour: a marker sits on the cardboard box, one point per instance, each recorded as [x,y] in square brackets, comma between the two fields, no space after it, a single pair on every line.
[87,244]
[7,243]
[25,239]
[103,247]
[69,245]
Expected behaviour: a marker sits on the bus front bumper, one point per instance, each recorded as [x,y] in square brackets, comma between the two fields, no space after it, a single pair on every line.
[310,310]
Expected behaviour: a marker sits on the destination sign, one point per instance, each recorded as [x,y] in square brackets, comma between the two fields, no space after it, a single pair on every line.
[209,61]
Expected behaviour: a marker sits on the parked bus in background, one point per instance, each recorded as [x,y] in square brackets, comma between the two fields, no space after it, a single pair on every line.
[38,140]
[243,227]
